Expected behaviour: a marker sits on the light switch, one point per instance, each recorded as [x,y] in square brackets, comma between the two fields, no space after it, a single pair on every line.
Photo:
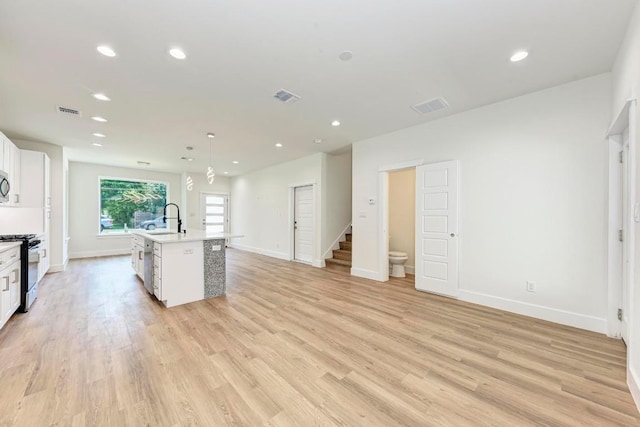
[216,247]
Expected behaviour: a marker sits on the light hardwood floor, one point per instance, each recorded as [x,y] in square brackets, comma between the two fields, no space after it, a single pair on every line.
[295,345]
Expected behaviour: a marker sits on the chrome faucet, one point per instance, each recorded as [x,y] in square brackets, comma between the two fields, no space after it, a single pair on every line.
[165,217]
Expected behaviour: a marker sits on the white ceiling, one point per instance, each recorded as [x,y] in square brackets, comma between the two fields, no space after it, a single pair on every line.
[241,52]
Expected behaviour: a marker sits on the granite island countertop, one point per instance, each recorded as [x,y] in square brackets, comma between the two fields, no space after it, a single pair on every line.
[173,236]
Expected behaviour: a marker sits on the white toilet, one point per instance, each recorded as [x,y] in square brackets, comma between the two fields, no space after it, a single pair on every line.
[397,260]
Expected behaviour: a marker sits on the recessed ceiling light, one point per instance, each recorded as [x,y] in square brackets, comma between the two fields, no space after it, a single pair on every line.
[189,148]
[519,56]
[226,173]
[106,50]
[97,144]
[101,97]
[177,53]
[140,162]
[99,135]
[278,145]
[317,141]
[235,162]
[346,55]
[211,135]
[335,123]
[99,119]
[188,159]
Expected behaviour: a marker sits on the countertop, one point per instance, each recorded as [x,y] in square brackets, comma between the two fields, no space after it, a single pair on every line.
[8,245]
[190,236]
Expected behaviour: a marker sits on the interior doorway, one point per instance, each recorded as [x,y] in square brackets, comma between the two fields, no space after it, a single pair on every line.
[402,231]
[624,213]
[303,223]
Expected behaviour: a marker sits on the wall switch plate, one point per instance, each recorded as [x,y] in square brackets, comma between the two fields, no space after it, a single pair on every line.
[188,251]
[531,286]
[216,247]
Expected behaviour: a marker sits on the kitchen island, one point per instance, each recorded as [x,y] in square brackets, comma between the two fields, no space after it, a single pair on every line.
[179,268]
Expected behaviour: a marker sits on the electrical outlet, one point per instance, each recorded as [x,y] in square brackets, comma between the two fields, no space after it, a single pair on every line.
[531,286]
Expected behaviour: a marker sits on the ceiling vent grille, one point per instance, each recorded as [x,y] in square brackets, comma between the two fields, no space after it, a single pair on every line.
[71,111]
[286,96]
[435,104]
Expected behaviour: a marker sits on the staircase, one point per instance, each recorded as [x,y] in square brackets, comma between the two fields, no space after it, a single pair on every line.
[341,260]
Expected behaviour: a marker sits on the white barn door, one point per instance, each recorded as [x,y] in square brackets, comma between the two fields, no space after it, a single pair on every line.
[437,228]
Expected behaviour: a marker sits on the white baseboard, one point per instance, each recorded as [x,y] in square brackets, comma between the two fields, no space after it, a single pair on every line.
[272,254]
[563,317]
[633,384]
[409,269]
[57,268]
[94,254]
[367,274]
[318,263]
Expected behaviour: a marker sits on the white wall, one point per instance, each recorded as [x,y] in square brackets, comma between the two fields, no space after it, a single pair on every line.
[337,200]
[402,214]
[84,207]
[532,205]
[626,84]
[261,206]
[221,185]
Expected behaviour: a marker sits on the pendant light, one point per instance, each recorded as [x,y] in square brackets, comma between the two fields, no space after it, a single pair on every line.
[210,175]
[189,183]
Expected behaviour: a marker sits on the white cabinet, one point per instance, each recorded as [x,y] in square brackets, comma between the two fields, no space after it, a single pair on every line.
[9,283]
[10,162]
[34,169]
[44,264]
[137,255]
[178,272]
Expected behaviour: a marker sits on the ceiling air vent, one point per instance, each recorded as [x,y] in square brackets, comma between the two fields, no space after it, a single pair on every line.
[66,110]
[435,104]
[286,96]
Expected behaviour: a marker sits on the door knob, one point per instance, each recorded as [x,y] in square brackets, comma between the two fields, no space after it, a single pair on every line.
[453,235]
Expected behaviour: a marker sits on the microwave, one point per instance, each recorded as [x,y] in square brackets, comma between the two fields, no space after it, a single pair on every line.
[5,187]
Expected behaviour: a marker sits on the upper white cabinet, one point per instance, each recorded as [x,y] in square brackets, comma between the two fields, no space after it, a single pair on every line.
[35,176]
[10,162]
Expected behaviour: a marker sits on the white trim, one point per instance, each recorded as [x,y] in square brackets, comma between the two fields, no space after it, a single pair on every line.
[319,263]
[614,246]
[622,119]
[272,254]
[402,165]
[57,268]
[590,323]
[634,385]
[367,274]
[94,254]
[383,225]
[410,269]
[336,243]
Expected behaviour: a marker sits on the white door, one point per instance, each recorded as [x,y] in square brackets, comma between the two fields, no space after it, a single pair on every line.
[436,267]
[303,224]
[214,212]
[626,217]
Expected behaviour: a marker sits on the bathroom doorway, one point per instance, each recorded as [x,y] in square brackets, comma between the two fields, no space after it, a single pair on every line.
[402,233]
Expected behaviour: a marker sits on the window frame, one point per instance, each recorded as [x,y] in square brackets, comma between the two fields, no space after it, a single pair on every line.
[119,178]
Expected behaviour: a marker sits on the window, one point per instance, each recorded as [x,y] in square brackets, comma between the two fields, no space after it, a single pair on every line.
[129,204]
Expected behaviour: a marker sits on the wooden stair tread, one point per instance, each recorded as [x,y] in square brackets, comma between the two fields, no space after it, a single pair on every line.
[338,261]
